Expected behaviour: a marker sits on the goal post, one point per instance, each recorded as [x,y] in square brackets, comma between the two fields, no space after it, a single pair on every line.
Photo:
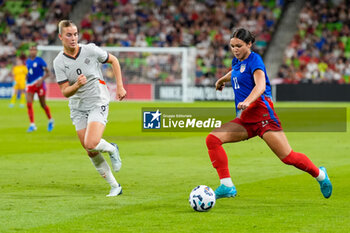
[154,66]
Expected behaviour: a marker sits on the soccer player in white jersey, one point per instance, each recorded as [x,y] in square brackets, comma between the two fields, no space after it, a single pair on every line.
[79,76]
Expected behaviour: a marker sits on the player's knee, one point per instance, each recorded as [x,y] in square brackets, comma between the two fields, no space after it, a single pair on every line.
[90,145]
[212,141]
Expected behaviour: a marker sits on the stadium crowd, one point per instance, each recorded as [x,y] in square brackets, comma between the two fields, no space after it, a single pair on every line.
[320,51]
[24,22]
[205,24]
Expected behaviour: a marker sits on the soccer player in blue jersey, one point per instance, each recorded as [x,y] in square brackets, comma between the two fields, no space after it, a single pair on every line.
[255,115]
[37,73]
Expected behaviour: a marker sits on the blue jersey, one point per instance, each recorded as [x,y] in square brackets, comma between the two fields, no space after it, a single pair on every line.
[35,69]
[242,77]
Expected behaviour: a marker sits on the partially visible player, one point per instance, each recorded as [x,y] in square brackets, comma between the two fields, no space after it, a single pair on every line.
[255,116]
[19,73]
[37,73]
[78,73]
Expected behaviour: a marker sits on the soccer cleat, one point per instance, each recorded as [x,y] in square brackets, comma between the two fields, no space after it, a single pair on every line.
[115,159]
[31,128]
[325,185]
[115,191]
[50,125]
[11,105]
[224,191]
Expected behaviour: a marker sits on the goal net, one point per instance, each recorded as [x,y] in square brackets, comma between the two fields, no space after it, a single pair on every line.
[148,73]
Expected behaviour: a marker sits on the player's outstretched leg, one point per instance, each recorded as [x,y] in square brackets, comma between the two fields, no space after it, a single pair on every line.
[115,158]
[302,162]
[325,183]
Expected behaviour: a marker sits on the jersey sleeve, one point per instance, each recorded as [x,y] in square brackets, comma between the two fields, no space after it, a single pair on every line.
[42,62]
[257,64]
[102,56]
[60,74]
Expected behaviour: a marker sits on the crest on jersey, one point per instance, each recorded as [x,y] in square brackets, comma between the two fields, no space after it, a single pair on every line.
[242,68]
[87,61]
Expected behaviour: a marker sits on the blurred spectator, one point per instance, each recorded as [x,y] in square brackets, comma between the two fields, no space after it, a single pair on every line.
[5,73]
[320,51]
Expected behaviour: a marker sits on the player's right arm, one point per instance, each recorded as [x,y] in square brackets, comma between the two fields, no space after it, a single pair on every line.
[69,90]
[220,84]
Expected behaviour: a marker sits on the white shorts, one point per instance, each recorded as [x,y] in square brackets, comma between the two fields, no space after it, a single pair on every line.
[82,118]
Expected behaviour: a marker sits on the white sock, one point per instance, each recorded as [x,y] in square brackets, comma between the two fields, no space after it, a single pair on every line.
[105,171]
[321,176]
[104,146]
[227,182]
[32,124]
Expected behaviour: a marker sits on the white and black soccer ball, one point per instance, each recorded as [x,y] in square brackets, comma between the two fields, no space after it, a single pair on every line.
[202,198]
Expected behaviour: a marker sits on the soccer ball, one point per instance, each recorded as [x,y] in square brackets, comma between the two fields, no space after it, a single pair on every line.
[202,198]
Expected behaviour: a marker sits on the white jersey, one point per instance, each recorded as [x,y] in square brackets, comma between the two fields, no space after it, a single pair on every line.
[88,62]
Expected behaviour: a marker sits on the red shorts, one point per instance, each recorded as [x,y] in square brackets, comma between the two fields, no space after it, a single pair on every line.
[259,118]
[41,90]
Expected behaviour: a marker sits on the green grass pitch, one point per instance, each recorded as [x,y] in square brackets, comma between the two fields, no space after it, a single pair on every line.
[48,184]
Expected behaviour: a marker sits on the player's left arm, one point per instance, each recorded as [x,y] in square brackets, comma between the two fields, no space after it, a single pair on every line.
[46,74]
[258,90]
[121,92]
